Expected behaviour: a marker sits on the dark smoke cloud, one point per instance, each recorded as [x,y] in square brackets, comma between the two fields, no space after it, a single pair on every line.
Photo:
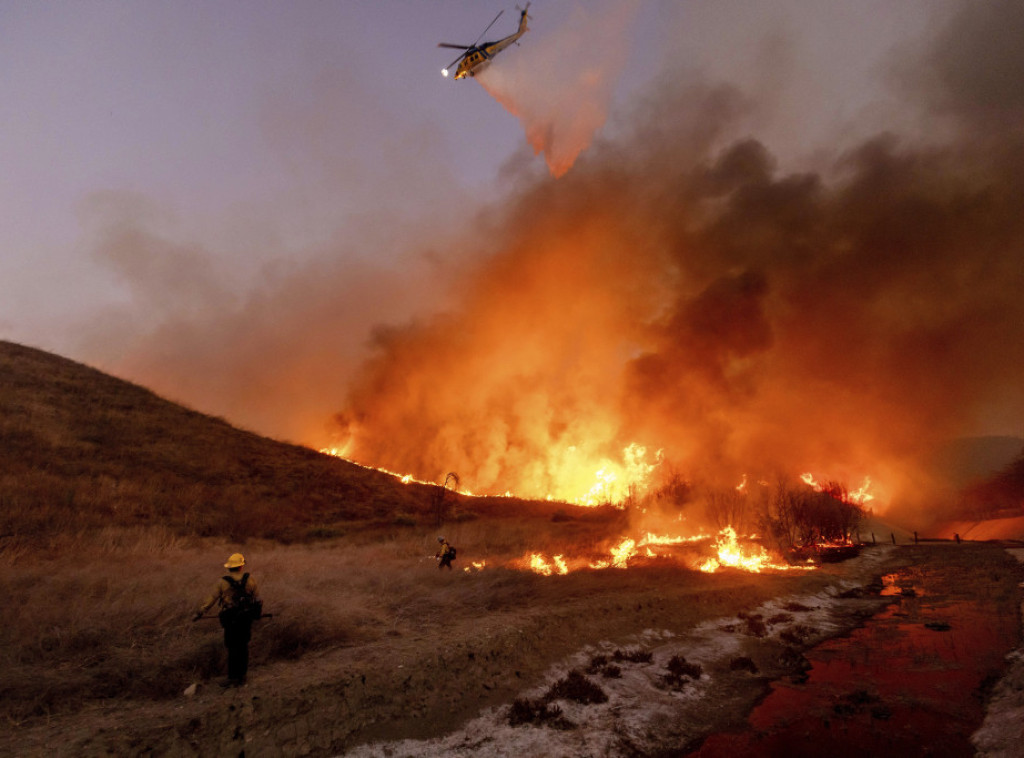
[678,289]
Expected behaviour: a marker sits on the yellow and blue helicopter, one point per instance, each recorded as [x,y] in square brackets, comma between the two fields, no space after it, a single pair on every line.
[476,56]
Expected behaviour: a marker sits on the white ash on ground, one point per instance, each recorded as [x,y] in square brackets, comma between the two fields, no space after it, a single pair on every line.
[647,710]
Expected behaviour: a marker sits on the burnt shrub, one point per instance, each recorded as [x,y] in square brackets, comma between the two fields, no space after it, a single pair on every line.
[795,663]
[575,687]
[779,618]
[526,711]
[578,688]
[632,656]
[743,663]
[753,624]
[854,703]
[597,663]
[795,607]
[680,671]
[796,635]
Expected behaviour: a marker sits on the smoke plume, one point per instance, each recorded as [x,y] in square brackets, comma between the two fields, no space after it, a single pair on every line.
[561,86]
[680,299]
[679,292]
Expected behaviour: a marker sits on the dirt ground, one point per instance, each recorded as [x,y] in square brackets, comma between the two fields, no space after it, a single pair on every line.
[448,687]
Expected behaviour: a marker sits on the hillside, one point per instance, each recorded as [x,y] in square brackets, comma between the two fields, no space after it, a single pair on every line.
[80,449]
[966,461]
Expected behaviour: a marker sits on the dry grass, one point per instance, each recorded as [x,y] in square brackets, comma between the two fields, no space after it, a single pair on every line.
[80,450]
[117,509]
[109,614]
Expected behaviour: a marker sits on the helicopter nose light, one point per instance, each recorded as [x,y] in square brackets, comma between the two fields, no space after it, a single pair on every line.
[444,71]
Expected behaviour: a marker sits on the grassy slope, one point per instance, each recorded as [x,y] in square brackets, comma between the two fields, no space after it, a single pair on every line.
[80,449]
[117,509]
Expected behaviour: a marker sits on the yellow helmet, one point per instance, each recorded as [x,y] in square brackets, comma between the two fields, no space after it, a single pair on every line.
[237,560]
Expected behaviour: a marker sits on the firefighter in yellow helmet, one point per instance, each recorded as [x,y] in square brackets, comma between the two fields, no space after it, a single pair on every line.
[445,554]
[239,600]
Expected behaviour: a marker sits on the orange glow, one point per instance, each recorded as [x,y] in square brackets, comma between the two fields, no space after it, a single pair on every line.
[862,496]
[588,483]
[622,553]
[538,564]
[750,557]
[859,496]
[660,539]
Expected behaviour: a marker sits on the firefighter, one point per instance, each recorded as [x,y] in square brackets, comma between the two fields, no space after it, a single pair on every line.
[445,554]
[238,598]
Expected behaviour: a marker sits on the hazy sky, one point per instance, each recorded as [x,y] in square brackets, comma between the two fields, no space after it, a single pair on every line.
[260,130]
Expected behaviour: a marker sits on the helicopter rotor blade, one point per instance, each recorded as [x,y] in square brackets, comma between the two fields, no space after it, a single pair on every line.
[489,26]
[457,47]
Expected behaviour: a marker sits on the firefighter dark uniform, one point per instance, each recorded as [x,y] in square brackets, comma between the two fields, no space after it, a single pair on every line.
[237,630]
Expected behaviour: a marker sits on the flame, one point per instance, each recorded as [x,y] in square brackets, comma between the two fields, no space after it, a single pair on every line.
[339,452]
[810,481]
[623,552]
[859,496]
[730,553]
[660,539]
[538,564]
[752,557]
[603,483]
[862,496]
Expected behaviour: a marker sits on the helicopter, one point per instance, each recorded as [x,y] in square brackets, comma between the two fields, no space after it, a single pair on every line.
[477,56]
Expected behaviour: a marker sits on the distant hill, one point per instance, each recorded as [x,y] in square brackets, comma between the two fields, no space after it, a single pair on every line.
[80,450]
[969,460]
